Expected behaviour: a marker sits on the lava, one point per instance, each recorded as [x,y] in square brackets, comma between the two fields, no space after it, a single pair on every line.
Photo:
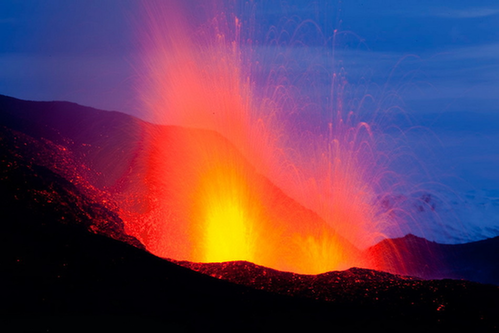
[227,177]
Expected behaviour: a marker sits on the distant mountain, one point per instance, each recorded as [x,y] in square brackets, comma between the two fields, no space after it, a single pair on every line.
[446,214]
[416,256]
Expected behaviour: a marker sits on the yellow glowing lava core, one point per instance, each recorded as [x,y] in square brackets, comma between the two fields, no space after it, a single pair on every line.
[228,233]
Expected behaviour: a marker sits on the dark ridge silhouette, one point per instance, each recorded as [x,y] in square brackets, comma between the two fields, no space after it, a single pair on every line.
[106,142]
[476,261]
[332,286]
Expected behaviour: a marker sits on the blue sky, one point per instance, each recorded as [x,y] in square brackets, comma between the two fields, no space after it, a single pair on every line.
[83,51]
[436,57]
[441,58]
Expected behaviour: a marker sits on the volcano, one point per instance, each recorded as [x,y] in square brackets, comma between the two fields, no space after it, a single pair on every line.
[74,185]
[110,160]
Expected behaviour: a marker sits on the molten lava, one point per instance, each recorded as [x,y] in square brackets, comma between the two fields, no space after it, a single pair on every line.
[220,183]
[206,203]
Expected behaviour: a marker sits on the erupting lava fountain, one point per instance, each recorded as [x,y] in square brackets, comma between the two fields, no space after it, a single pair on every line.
[239,171]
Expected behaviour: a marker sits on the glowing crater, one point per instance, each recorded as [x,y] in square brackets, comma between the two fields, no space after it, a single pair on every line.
[225,185]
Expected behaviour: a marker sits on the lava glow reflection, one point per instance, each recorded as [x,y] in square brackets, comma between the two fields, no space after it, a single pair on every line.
[225,180]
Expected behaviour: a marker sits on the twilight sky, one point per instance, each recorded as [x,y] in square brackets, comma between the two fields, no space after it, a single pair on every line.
[441,58]
[437,60]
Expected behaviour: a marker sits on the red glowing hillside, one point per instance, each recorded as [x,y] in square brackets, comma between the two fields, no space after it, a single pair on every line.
[238,179]
[82,145]
[54,268]
[54,264]
[206,203]
[112,161]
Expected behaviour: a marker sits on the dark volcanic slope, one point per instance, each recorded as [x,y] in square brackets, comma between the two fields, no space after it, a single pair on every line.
[105,142]
[356,287]
[99,152]
[51,269]
[337,286]
[119,159]
[52,266]
[55,269]
[31,192]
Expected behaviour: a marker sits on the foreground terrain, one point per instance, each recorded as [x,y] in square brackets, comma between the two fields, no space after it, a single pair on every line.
[66,259]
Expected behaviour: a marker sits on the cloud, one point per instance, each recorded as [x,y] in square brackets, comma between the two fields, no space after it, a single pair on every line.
[477,12]
[484,51]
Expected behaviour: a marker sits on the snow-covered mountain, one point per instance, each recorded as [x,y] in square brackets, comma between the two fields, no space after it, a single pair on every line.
[456,195]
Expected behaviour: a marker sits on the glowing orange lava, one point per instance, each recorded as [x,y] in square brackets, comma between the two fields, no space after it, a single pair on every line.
[219,183]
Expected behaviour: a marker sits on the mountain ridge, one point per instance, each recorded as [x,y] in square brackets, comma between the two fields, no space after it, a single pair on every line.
[410,255]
